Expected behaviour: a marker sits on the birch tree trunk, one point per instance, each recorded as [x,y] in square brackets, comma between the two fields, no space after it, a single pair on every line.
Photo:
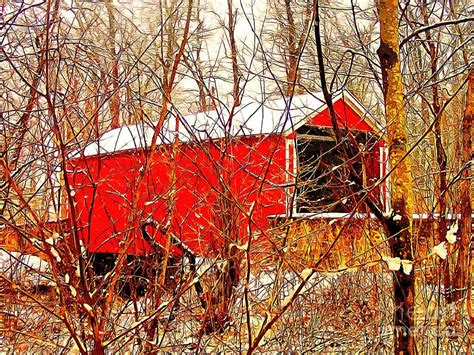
[399,224]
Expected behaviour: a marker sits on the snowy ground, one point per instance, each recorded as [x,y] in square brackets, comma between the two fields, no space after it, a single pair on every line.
[335,312]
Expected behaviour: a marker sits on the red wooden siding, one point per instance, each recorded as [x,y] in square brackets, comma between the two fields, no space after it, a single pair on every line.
[347,118]
[106,186]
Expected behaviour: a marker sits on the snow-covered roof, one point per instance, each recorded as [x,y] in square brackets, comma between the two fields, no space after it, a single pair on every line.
[249,119]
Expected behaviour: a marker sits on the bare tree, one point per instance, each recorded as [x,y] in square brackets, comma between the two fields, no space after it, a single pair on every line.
[333,271]
[399,225]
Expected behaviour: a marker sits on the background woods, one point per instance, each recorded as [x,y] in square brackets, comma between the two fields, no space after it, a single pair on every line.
[176,123]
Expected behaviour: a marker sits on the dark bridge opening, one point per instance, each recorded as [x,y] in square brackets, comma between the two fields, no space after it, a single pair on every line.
[324,183]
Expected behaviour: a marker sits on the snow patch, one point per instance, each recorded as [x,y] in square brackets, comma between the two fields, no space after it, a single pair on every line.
[14,259]
[56,254]
[83,248]
[407,266]
[388,213]
[392,263]
[73,291]
[306,273]
[441,250]
[24,269]
[451,233]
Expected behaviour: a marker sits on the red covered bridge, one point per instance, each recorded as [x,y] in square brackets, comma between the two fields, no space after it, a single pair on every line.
[218,176]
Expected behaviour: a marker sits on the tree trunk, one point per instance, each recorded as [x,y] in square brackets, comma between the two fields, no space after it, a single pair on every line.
[114,98]
[399,228]
[441,158]
[233,53]
[461,280]
[295,47]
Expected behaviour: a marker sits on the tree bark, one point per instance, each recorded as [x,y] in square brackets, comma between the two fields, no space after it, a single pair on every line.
[295,47]
[441,158]
[399,225]
[461,281]
[233,54]
[114,98]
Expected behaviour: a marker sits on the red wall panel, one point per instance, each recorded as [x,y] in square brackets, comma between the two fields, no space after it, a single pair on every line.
[215,186]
